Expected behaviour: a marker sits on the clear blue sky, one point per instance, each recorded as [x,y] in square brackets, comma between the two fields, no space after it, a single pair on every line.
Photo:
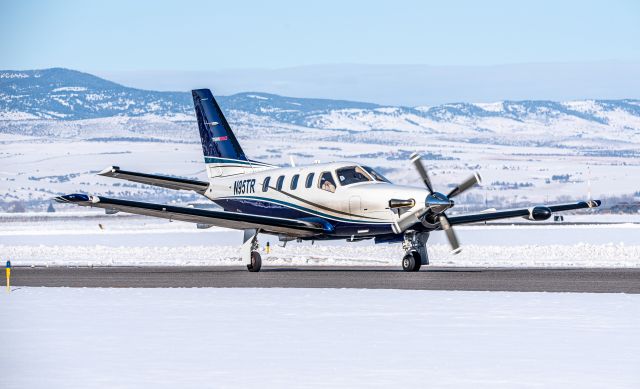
[214,35]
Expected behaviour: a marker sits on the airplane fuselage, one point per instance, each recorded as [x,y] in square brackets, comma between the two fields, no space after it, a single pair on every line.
[354,210]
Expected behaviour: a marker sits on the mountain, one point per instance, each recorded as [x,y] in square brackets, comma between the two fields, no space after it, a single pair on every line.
[59,127]
[64,94]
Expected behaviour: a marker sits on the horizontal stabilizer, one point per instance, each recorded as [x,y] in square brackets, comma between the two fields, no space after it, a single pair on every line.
[156,180]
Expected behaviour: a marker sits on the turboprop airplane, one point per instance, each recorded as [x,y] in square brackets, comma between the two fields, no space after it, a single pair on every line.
[339,200]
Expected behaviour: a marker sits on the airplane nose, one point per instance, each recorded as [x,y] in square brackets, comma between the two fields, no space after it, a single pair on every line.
[438,203]
[437,199]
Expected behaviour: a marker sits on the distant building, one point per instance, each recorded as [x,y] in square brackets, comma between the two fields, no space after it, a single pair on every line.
[51,209]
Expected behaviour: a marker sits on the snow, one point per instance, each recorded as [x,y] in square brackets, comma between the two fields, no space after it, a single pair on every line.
[316,338]
[90,239]
[579,255]
[16,115]
[500,148]
[258,97]
[13,75]
[70,89]
[491,107]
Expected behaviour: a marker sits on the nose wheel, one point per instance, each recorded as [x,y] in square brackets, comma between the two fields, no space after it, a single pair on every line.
[415,248]
[411,261]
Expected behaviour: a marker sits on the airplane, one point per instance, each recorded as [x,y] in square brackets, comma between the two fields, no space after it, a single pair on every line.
[322,201]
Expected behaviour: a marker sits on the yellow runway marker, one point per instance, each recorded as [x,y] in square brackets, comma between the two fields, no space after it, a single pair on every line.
[8,271]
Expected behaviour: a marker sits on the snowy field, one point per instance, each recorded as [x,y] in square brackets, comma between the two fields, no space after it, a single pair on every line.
[273,338]
[93,239]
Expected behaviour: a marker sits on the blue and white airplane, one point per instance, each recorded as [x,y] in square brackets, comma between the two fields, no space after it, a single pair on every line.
[339,200]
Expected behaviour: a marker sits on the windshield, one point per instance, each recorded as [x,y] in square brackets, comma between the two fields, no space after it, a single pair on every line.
[376,176]
[351,175]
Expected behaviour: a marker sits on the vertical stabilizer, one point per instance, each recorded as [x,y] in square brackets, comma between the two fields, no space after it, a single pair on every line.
[222,152]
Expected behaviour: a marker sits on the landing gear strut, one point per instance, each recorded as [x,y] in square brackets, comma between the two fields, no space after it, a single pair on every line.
[250,256]
[415,247]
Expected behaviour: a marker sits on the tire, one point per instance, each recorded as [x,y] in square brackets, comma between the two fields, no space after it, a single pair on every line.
[411,261]
[256,262]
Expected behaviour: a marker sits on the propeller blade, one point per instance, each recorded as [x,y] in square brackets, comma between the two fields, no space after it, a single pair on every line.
[407,220]
[451,235]
[465,185]
[417,162]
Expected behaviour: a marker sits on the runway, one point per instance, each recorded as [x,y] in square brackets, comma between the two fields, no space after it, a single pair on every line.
[432,278]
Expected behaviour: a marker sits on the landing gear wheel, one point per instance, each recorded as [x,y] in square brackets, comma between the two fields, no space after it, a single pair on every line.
[256,262]
[411,261]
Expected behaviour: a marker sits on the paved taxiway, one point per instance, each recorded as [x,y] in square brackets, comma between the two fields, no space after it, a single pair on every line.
[432,278]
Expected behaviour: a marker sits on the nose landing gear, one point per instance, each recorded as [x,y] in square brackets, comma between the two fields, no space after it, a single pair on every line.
[411,261]
[415,247]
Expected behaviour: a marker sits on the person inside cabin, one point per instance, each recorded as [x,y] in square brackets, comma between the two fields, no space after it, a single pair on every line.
[327,183]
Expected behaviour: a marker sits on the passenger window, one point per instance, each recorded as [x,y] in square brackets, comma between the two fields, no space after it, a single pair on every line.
[294,182]
[279,182]
[309,180]
[326,182]
[265,184]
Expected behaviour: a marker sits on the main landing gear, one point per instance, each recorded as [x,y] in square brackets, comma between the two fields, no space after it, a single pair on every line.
[250,256]
[256,262]
[415,247]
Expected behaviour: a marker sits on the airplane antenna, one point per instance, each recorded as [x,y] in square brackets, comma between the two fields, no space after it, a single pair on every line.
[293,163]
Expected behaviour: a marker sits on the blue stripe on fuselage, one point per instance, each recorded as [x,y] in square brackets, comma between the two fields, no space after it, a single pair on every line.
[270,207]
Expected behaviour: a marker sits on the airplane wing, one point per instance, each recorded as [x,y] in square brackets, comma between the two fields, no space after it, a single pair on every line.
[234,220]
[544,212]
[156,180]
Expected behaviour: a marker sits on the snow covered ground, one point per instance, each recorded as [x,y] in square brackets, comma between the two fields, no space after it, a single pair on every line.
[92,239]
[274,338]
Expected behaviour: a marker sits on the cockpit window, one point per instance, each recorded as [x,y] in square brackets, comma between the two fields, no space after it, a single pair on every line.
[326,182]
[351,175]
[376,176]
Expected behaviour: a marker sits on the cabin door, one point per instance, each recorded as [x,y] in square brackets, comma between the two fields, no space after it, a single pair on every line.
[354,205]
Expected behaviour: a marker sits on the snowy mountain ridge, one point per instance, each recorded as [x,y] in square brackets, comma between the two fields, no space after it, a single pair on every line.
[527,150]
[63,94]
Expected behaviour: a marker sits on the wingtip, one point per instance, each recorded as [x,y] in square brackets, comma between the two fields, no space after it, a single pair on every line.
[73,198]
[60,199]
[594,203]
[109,170]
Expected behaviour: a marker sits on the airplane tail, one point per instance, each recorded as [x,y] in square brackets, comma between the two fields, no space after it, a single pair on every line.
[222,152]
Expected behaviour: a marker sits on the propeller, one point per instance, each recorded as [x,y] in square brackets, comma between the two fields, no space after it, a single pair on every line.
[416,160]
[451,235]
[465,185]
[437,203]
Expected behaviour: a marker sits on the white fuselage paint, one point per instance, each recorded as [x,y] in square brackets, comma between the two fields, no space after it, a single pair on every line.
[363,202]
